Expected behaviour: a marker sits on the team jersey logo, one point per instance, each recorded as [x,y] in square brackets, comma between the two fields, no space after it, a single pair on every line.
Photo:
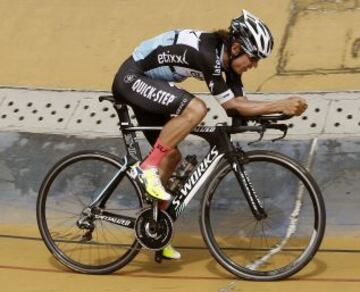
[217,66]
[129,78]
[166,58]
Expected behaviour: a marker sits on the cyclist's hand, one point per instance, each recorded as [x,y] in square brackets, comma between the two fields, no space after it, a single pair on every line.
[293,106]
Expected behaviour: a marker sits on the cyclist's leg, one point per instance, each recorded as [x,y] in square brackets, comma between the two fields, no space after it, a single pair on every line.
[159,97]
[179,127]
[173,157]
[167,165]
[175,131]
[153,97]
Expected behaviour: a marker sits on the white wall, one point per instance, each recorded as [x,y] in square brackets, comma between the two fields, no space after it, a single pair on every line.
[80,112]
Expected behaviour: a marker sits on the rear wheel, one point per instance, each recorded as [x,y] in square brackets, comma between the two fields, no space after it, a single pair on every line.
[267,249]
[100,246]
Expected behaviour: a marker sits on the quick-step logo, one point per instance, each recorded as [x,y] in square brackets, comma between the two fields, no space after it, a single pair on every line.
[152,93]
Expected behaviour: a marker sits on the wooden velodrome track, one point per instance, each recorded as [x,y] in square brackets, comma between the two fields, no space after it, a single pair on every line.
[80,44]
[26,265]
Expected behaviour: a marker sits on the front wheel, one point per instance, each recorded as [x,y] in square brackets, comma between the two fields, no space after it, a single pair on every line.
[97,245]
[267,249]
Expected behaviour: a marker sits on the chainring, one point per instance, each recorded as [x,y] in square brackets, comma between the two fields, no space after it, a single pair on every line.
[153,235]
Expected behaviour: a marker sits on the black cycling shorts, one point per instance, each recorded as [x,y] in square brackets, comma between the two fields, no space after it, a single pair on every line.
[153,101]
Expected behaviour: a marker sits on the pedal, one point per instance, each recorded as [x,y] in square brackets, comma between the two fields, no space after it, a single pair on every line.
[158,256]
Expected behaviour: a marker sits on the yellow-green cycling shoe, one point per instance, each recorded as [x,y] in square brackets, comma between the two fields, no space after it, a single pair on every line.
[170,253]
[151,181]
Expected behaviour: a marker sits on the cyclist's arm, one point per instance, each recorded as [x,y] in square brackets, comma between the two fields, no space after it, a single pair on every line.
[246,108]
[228,99]
[241,103]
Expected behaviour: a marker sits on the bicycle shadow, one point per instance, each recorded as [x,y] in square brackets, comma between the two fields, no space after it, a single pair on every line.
[196,254]
[315,268]
[195,258]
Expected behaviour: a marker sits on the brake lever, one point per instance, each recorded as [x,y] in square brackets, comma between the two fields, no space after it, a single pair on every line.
[261,133]
[283,128]
[280,138]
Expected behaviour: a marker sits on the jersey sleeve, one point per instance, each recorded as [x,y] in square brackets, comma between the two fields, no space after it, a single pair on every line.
[214,80]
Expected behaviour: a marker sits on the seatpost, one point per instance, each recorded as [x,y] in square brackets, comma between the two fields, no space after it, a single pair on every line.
[131,145]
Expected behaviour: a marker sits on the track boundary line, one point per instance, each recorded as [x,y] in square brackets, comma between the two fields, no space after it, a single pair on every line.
[130,274]
[329,250]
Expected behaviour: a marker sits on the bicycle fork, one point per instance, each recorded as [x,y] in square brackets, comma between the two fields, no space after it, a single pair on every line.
[255,204]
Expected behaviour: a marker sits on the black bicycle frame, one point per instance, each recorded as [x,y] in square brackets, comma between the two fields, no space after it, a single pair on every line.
[221,146]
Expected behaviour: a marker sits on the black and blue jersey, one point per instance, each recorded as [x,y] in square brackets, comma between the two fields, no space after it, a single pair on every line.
[179,54]
[146,79]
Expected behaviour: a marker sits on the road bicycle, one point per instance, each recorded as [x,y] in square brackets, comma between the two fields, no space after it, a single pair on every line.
[262,214]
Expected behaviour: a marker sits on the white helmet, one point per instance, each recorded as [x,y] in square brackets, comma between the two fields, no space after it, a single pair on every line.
[253,35]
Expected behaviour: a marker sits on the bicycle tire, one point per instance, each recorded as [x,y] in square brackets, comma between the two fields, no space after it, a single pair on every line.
[69,171]
[214,226]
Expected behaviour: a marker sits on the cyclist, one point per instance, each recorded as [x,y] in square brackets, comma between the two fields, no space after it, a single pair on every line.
[144,81]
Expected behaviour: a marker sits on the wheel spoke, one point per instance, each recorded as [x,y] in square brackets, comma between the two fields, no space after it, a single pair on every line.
[62,211]
[71,184]
[271,248]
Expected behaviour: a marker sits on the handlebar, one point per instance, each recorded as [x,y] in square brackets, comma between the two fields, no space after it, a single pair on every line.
[262,124]
[234,114]
[271,118]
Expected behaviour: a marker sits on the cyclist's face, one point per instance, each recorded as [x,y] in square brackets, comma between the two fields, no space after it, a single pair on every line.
[242,63]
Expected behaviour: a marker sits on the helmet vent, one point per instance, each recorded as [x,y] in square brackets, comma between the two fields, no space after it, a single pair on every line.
[262,42]
[262,28]
[253,25]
